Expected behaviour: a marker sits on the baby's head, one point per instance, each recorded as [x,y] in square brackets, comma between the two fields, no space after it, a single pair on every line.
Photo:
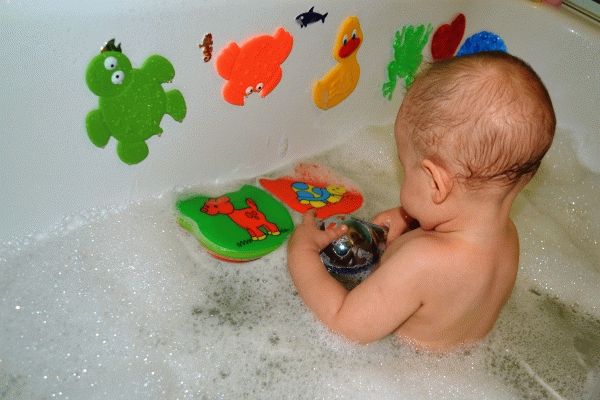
[486,117]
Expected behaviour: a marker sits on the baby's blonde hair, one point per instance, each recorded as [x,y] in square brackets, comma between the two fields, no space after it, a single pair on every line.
[487,116]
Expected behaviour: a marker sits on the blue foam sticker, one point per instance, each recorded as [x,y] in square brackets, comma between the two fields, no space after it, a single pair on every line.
[482,41]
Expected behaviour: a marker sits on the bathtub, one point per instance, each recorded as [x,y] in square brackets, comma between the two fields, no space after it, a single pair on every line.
[88,323]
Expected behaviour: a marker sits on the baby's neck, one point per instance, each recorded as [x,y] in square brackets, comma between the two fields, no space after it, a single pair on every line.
[481,213]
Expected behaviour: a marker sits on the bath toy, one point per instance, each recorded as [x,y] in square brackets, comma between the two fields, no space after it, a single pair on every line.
[239,226]
[207,47]
[318,197]
[447,37]
[354,255]
[310,17]
[313,188]
[253,66]
[341,80]
[408,55]
[131,101]
[481,41]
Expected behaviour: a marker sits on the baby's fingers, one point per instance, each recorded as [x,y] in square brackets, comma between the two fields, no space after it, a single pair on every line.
[382,219]
[308,218]
[336,231]
[330,234]
[321,237]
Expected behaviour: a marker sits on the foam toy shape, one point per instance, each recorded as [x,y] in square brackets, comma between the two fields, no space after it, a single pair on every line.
[482,41]
[238,226]
[408,55]
[326,194]
[132,102]
[341,80]
[310,17]
[447,37]
[253,66]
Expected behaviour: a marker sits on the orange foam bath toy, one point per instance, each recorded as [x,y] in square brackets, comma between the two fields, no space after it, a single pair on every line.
[253,66]
[315,187]
[341,80]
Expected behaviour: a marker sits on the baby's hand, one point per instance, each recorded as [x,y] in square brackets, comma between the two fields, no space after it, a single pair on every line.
[397,221]
[307,237]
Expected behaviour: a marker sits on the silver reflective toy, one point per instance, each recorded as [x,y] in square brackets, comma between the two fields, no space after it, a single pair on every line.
[355,254]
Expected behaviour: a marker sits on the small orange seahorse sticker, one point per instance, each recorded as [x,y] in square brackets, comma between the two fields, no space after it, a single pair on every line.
[206,45]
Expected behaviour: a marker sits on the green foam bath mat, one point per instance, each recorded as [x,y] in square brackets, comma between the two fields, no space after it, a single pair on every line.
[238,226]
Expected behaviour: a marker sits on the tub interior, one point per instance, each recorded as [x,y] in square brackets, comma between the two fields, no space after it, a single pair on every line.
[103,295]
[125,304]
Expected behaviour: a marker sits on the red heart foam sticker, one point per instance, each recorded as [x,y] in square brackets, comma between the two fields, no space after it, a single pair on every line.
[447,37]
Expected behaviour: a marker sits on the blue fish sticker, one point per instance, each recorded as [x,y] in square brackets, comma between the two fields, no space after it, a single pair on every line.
[310,17]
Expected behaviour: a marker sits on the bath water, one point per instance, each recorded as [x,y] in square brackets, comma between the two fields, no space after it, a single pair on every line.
[125,304]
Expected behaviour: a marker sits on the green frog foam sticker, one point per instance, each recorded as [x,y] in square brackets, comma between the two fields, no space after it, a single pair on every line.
[131,101]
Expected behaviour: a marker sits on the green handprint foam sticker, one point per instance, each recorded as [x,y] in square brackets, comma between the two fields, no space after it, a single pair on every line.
[408,55]
[131,101]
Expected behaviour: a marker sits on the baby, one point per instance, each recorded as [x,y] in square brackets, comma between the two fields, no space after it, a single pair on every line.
[471,132]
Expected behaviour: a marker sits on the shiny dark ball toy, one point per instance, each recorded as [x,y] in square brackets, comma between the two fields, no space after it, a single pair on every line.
[355,254]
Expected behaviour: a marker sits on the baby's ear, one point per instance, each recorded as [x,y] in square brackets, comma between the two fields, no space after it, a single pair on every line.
[441,181]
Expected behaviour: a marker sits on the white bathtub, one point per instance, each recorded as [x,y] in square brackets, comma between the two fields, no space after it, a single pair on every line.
[50,171]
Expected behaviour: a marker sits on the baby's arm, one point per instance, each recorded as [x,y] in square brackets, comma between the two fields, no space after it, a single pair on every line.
[397,221]
[307,270]
[373,309]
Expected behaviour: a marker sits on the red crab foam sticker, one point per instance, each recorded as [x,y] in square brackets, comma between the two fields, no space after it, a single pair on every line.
[253,66]
[447,37]
[314,187]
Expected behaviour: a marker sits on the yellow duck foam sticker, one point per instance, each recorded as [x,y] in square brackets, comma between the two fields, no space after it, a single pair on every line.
[341,80]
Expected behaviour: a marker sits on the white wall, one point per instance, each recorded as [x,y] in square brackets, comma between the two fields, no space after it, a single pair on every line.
[49,168]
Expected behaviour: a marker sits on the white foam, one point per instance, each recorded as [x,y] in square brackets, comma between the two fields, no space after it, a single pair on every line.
[128,306]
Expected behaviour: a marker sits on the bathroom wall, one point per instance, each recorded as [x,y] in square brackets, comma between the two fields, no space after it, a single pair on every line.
[49,169]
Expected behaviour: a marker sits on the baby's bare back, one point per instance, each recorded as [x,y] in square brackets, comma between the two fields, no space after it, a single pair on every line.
[467,281]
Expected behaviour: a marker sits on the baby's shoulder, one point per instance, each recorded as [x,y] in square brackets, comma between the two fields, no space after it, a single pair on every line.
[423,250]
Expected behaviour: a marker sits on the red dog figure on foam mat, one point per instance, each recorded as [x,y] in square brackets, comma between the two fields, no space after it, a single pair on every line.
[250,218]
